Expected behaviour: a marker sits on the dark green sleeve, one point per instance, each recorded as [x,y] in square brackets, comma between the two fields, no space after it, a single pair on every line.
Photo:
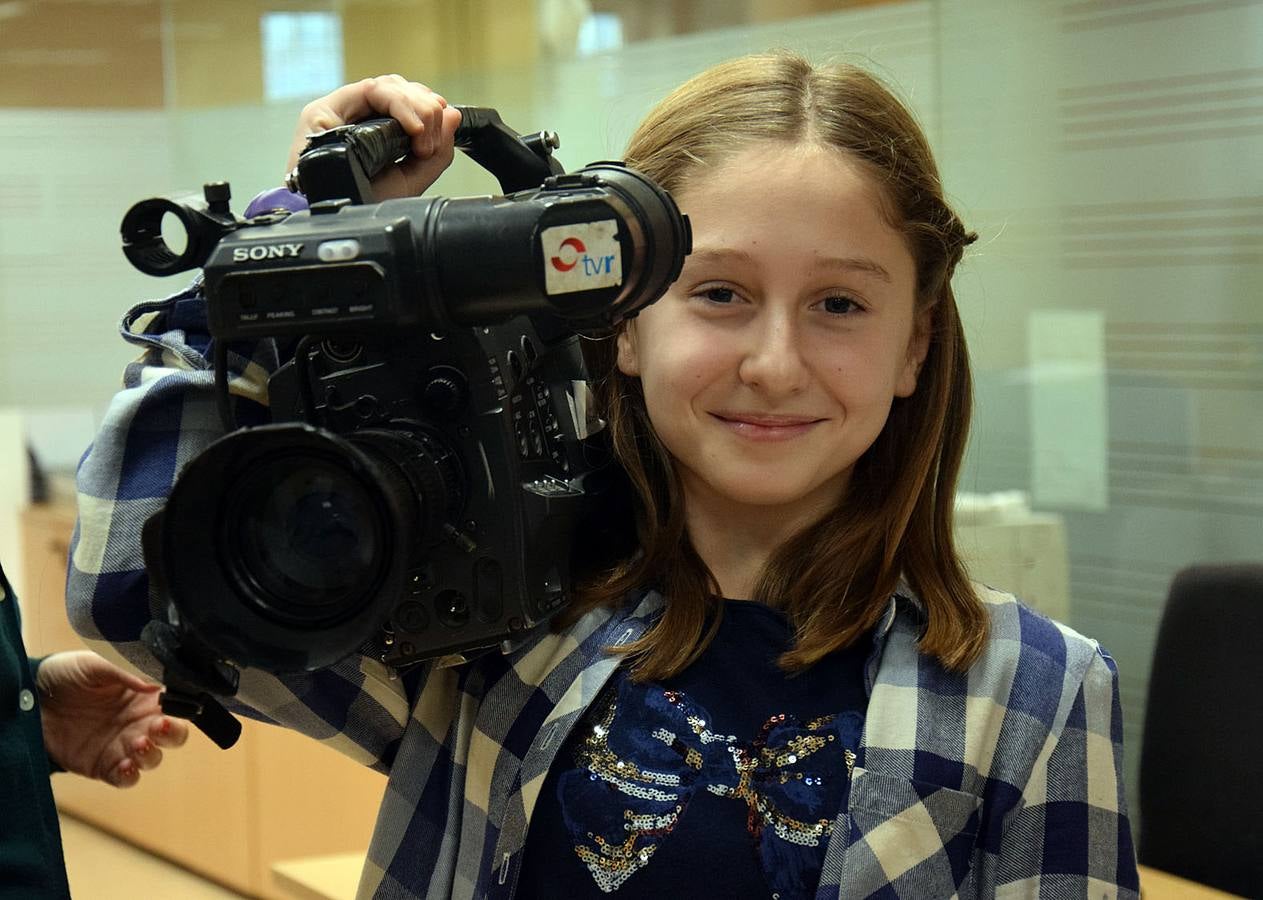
[31,864]
[33,663]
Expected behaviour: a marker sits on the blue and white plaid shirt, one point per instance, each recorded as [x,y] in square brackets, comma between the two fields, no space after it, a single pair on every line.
[1003,781]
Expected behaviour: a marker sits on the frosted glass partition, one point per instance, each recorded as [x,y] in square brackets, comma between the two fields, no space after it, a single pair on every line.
[1107,154]
[66,178]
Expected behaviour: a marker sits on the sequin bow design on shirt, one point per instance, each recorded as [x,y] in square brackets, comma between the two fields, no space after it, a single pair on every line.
[648,749]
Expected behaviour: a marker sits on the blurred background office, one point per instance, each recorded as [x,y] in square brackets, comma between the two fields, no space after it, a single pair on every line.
[1107,152]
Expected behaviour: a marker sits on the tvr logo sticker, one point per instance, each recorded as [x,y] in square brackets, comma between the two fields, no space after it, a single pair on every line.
[578,254]
[582,257]
[572,243]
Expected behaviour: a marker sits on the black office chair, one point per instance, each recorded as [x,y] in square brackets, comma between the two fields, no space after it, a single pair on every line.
[1201,766]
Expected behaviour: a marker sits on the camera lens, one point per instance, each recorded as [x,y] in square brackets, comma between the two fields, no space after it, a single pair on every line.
[285,546]
[309,538]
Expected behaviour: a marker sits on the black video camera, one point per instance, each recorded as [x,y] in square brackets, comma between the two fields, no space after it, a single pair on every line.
[433,472]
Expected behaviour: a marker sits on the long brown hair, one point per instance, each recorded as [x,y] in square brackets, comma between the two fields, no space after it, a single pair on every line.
[835,577]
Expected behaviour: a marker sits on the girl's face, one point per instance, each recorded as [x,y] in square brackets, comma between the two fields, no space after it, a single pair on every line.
[770,365]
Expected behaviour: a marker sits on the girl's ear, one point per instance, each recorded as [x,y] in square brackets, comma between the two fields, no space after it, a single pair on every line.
[628,359]
[918,347]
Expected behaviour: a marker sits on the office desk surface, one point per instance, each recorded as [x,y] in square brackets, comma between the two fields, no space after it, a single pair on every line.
[335,878]
[1160,885]
[332,877]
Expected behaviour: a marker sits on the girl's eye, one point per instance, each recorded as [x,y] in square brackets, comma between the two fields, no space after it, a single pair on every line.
[840,306]
[719,294]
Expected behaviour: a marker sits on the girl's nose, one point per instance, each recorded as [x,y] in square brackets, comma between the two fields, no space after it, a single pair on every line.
[773,361]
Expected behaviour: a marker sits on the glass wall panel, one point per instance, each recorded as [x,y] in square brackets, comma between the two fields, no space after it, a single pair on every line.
[1108,155]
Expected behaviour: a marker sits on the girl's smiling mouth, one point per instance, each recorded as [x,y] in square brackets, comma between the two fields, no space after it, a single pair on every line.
[765,426]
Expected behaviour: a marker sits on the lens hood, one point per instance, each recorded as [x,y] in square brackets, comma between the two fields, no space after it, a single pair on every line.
[282,546]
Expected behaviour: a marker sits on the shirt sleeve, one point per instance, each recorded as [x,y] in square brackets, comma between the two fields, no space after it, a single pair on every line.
[164,416]
[33,663]
[1070,835]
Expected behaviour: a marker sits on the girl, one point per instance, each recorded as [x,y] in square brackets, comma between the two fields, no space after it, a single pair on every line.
[791,689]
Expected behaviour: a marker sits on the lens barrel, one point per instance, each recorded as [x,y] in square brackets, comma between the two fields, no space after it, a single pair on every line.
[285,546]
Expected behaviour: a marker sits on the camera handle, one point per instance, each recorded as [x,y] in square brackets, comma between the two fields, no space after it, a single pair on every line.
[190,671]
[518,162]
[340,163]
[185,673]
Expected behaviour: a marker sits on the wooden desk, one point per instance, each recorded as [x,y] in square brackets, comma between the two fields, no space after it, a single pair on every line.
[333,877]
[1159,885]
[336,877]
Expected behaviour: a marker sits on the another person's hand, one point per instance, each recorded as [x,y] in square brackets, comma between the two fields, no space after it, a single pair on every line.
[424,115]
[101,721]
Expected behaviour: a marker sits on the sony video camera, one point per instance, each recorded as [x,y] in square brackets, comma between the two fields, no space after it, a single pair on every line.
[432,471]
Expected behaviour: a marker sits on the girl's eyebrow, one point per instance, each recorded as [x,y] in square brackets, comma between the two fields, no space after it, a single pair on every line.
[861,264]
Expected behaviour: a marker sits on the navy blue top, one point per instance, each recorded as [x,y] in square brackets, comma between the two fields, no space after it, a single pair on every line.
[721,782]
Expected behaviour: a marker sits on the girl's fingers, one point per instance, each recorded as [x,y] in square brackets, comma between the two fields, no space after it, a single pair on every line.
[169,732]
[145,754]
[137,684]
[124,774]
[417,108]
[419,172]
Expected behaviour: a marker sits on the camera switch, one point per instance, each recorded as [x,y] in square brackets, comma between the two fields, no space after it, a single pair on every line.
[342,250]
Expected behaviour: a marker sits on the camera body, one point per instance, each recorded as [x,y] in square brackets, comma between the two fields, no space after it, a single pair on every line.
[414,495]
[487,427]
[432,475]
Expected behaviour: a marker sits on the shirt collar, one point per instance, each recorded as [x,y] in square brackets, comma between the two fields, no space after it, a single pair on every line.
[904,609]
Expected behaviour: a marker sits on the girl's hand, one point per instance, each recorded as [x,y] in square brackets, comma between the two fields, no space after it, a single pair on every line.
[424,115]
[101,721]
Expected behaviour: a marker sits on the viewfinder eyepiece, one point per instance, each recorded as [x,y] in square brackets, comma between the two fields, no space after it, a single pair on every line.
[205,220]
